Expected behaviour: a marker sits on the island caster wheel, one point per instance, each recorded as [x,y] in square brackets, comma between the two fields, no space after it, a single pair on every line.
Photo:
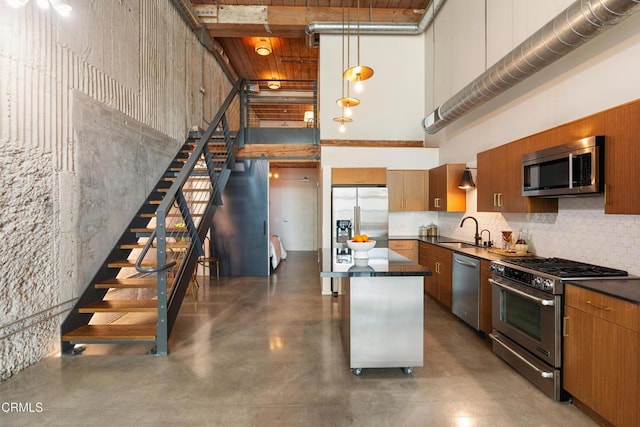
[407,371]
[356,371]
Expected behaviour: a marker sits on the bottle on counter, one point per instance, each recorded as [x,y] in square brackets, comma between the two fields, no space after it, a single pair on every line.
[521,245]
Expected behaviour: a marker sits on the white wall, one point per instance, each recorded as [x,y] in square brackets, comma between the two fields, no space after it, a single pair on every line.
[391,105]
[293,210]
[599,75]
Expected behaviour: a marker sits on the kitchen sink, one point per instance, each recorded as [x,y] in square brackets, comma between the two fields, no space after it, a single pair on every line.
[459,245]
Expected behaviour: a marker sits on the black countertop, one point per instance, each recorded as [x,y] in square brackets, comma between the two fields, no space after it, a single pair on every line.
[481,252]
[626,289]
[382,262]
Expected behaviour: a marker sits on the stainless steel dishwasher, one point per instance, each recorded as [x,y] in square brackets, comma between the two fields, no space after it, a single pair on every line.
[466,289]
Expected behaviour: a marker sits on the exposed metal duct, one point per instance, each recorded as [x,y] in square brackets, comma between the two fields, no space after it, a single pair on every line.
[571,28]
[377,28]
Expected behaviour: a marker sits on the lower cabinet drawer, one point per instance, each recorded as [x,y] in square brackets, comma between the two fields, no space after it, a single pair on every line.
[620,312]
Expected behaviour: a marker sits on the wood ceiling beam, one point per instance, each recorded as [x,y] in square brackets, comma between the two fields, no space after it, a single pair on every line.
[280,152]
[285,21]
[371,143]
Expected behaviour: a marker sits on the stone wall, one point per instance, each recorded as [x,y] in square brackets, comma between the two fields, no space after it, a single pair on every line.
[92,109]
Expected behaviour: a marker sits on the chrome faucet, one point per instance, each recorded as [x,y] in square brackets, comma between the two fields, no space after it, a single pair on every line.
[477,239]
[489,242]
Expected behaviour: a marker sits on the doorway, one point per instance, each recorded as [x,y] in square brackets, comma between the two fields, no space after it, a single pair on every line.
[293,207]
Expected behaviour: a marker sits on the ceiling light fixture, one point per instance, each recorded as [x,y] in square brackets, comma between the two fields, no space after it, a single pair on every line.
[359,73]
[262,48]
[58,5]
[273,84]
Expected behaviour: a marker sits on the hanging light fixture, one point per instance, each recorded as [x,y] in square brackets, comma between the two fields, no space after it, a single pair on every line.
[359,73]
[467,180]
[345,102]
[58,5]
[342,120]
[263,48]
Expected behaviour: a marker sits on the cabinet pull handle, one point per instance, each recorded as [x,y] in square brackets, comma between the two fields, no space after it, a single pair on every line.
[599,307]
[500,199]
[564,326]
[495,200]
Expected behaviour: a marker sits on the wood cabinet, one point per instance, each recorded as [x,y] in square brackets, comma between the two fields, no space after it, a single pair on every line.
[601,345]
[622,156]
[499,182]
[485,296]
[407,190]
[439,261]
[359,176]
[444,194]
[406,248]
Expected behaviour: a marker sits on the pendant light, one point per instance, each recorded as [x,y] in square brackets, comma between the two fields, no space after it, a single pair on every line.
[345,102]
[467,180]
[359,73]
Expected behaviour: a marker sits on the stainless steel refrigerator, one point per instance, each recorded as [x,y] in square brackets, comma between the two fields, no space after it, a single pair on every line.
[367,209]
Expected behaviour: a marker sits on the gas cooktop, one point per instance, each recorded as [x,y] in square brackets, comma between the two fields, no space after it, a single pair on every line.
[565,269]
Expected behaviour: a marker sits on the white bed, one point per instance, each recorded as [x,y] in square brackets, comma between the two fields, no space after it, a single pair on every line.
[276,251]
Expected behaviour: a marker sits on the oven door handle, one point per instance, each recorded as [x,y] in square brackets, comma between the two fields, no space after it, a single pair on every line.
[542,373]
[545,302]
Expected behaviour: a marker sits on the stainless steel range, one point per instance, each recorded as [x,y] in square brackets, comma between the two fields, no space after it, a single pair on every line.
[527,314]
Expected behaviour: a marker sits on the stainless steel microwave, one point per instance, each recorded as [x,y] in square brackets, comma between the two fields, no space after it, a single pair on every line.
[575,168]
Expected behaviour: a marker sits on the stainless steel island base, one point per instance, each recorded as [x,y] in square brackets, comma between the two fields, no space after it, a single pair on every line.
[383,322]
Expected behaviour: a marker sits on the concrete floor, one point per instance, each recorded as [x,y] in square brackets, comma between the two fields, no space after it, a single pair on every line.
[267,352]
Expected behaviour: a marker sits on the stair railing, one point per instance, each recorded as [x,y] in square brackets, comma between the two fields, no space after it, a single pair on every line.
[186,211]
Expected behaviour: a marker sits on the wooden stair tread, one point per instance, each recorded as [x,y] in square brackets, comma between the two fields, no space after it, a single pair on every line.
[120,306]
[168,230]
[88,333]
[180,245]
[129,263]
[153,215]
[133,282]
[191,178]
[188,190]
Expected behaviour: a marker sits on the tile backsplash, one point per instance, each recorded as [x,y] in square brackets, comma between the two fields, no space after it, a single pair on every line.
[580,231]
[407,223]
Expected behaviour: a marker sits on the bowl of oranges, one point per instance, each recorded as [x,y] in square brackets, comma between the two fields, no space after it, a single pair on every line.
[360,245]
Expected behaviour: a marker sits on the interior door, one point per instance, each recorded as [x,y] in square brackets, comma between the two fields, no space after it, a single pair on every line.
[240,230]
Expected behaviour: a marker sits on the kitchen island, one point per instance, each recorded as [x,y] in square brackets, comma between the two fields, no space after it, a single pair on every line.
[382,306]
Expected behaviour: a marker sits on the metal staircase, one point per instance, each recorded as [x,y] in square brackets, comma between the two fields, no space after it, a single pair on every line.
[135,296]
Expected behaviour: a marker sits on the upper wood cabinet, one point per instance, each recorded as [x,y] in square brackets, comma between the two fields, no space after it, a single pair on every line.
[444,194]
[499,177]
[622,156]
[407,190]
[601,345]
[359,176]
[499,182]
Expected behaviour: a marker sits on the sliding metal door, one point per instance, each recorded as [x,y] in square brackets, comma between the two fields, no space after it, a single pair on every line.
[240,233]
